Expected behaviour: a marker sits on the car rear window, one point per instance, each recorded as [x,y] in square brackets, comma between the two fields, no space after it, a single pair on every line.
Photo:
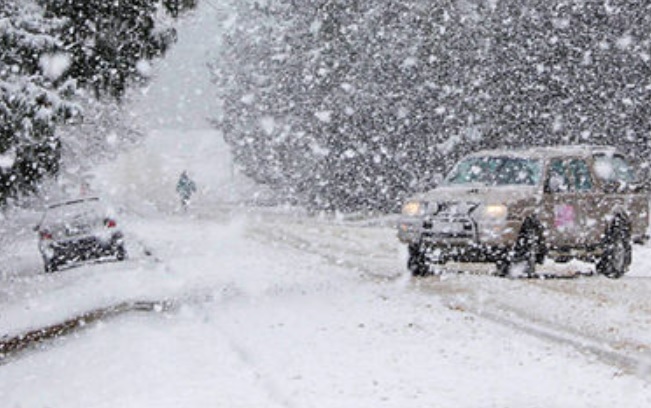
[82,211]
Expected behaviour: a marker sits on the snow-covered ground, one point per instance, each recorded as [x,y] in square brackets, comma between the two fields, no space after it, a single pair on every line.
[273,309]
[269,307]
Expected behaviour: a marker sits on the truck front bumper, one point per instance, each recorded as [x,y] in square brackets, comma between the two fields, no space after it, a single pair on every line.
[461,239]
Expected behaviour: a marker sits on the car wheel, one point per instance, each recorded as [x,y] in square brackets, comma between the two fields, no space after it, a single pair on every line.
[527,253]
[121,253]
[51,265]
[616,255]
[417,263]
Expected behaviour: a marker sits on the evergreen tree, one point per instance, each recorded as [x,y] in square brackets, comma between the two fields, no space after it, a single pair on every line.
[30,105]
[175,7]
[107,40]
[353,88]
[570,73]
[365,101]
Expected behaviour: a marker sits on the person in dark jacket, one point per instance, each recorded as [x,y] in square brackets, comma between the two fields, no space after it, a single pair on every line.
[185,187]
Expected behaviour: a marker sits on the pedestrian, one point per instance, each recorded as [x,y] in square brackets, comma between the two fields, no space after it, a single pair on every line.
[185,187]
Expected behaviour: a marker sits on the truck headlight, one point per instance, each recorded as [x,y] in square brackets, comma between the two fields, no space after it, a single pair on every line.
[495,212]
[414,208]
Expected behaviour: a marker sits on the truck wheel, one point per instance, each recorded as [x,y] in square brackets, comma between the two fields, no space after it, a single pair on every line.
[616,256]
[527,253]
[417,263]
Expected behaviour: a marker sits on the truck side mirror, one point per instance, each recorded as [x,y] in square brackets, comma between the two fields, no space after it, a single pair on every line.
[436,179]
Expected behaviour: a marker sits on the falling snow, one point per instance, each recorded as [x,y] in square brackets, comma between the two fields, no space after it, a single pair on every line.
[54,66]
[306,126]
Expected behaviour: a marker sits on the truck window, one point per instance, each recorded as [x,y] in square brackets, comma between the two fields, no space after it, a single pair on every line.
[557,180]
[611,168]
[581,175]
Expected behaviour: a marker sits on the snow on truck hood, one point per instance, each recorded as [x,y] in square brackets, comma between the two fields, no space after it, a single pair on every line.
[501,194]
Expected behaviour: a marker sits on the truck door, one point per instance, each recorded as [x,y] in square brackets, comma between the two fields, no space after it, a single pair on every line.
[588,203]
[561,208]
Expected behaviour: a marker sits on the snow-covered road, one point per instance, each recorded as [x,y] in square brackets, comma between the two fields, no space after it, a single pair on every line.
[273,309]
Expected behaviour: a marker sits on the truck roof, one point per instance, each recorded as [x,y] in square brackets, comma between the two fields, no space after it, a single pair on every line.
[549,152]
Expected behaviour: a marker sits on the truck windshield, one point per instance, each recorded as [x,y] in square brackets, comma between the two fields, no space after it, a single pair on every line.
[496,171]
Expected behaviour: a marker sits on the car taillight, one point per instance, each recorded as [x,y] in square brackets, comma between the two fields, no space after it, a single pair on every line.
[46,235]
[109,223]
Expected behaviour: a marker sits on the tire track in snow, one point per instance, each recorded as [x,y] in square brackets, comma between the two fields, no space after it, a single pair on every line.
[598,294]
[634,363]
[336,256]
[12,347]
[271,389]
[629,356]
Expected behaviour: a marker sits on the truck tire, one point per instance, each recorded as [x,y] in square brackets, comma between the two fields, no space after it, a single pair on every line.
[616,251]
[417,263]
[528,251]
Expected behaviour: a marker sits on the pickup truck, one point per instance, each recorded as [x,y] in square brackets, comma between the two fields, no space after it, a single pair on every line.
[515,208]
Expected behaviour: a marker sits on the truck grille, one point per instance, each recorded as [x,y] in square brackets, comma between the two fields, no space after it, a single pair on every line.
[437,228]
[455,208]
[451,221]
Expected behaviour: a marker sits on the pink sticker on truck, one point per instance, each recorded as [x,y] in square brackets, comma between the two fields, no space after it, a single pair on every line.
[564,216]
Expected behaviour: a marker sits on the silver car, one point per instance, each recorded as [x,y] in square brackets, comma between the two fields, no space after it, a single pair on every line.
[78,230]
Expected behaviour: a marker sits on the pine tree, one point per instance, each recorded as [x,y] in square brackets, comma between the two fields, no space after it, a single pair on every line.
[369,100]
[30,104]
[107,40]
[353,88]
